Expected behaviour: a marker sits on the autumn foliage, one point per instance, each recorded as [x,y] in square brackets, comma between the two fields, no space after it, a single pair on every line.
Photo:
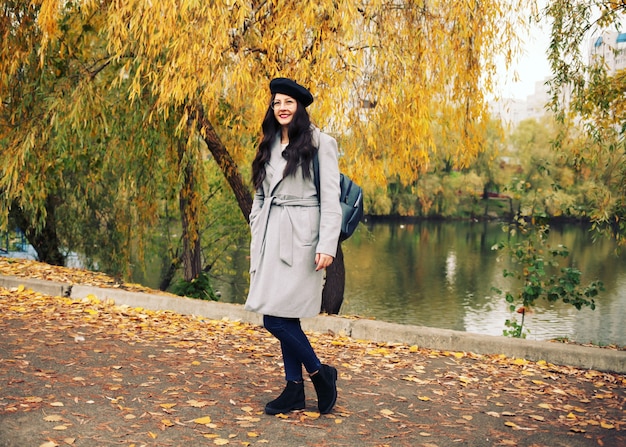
[109,107]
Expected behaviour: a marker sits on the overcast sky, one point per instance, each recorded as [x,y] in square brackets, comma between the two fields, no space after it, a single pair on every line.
[531,67]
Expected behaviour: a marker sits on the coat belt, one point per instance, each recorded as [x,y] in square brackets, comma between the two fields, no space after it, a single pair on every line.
[285,226]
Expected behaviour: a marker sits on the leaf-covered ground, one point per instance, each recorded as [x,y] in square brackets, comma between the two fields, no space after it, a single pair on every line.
[28,268]
[90,373]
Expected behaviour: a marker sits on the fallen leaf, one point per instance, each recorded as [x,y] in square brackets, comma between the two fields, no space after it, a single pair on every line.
[53,418]
[167,406]
[199,404]
[203,420]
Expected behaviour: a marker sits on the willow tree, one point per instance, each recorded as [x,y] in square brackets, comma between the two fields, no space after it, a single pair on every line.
[382,72]
[587,93]
[386,75]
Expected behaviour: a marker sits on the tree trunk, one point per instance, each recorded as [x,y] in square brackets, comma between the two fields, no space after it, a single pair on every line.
[225,162]
[332,295]
[45,241]
[189,201]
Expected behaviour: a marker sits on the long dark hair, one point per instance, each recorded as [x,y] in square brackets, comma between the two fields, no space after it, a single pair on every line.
[300,150]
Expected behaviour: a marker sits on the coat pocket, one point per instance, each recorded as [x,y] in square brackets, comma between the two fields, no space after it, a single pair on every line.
[304,229]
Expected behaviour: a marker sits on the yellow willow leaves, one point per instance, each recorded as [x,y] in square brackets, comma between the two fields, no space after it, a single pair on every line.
[426,68]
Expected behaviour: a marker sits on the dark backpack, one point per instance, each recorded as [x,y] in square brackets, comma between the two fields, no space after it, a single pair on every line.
[351,199]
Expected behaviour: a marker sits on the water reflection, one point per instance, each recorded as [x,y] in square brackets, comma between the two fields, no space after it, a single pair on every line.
[442,274]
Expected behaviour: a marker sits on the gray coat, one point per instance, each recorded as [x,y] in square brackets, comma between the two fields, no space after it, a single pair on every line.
[289,226]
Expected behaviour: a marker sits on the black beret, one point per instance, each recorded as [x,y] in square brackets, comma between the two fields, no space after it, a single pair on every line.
[291,88]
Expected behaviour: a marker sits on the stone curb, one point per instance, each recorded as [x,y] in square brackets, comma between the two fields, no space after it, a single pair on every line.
[360,329]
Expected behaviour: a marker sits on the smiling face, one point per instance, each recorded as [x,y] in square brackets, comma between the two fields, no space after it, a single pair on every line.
[284,107]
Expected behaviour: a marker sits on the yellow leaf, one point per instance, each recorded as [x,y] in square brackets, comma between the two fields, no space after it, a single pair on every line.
[195,363]
[60,427]
[571,416]
[203,420]
[511,424]
[425,434]
[252,434]
[312,415]
[413,348]
[386,412]
[56,404]
[424,398]
[220,441]
[197,404]
[49,444]
[537,417]
[167,422]
[152,435]
[606,425]
[167,405]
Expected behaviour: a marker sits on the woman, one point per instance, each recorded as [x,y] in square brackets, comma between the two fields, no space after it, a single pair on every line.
[294,238]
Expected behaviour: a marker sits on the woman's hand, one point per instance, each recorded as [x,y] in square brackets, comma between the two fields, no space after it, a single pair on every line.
[322,261]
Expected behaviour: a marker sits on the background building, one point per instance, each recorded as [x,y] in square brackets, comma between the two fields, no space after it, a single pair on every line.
[609,48]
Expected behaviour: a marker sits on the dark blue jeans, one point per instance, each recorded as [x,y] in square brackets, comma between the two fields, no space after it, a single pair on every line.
[295,345]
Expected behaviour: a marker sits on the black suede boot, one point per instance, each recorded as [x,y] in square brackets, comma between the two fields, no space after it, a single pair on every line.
[292,398]
[325,383]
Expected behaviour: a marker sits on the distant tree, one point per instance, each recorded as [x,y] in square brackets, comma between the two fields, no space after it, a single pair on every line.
[596,101]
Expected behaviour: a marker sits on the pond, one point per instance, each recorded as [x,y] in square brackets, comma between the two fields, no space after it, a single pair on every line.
[442,274]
